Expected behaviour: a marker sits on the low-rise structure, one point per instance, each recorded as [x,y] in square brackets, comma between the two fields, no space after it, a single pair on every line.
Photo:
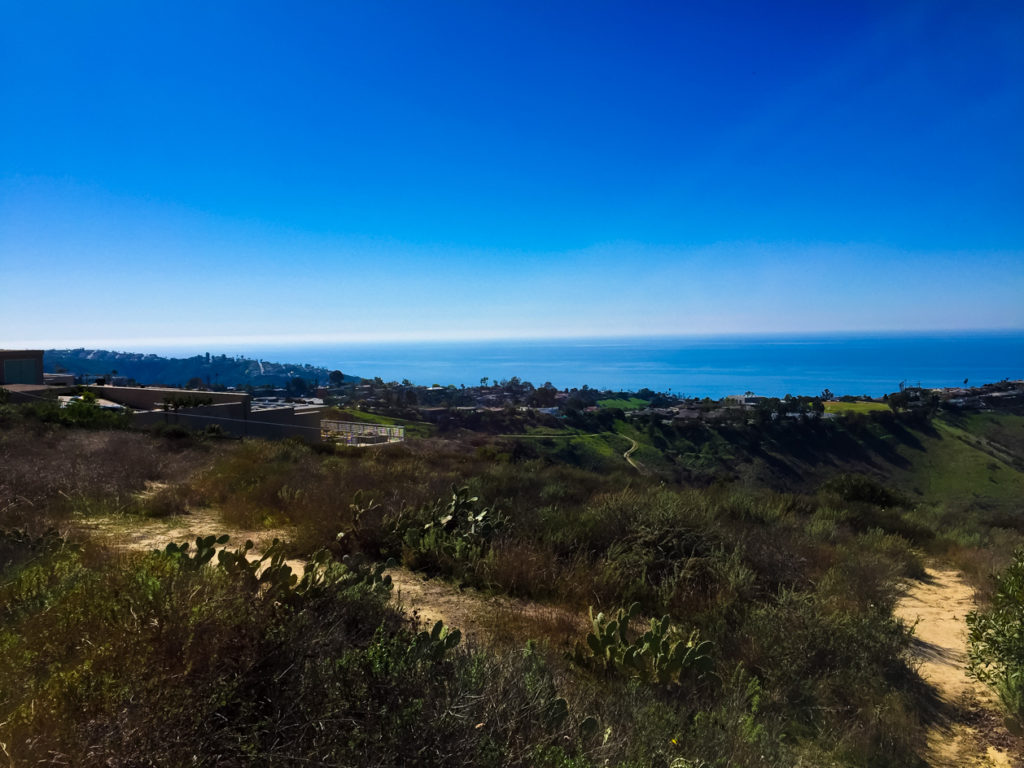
[233,412]
[21,366]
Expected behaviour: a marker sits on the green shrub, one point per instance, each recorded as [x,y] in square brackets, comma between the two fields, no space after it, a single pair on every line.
[850,487]
[996,641]
[170,500]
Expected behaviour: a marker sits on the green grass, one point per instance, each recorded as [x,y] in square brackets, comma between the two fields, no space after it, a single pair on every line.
[626,404]
[962,463]
[1002,431]
[600,445]
[590,450]
[861,406]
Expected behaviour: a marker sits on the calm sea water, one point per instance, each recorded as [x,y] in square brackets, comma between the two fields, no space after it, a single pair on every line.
[713,367]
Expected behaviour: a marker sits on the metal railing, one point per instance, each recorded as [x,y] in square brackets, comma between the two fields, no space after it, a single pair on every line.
[361,433]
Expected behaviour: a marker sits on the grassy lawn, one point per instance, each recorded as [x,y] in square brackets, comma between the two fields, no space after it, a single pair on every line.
[626,404]
[861,406]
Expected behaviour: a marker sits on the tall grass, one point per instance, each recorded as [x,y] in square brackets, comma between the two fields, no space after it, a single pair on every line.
[52,473]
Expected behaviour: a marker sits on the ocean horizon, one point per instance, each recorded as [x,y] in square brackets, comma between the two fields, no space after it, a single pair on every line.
[710,366]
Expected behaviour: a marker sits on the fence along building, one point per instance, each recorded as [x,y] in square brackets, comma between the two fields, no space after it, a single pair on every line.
[361,433]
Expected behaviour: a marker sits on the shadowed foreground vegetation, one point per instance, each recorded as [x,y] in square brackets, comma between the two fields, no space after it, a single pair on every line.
[773,641]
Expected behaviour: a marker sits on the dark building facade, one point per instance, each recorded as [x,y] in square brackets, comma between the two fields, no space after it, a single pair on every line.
[21,366]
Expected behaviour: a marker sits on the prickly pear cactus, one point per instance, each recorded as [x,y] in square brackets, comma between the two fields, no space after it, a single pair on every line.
[660,655]
[433,645]
[206,546]
[461,518]
[270,577]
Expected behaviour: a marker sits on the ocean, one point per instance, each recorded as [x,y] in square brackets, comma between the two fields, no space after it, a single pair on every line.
[693,366]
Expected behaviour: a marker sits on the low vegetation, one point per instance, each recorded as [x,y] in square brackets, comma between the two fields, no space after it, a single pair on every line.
[740,594]
[996,641]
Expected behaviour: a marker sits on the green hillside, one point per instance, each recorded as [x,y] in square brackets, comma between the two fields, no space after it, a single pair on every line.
[976,459]
[952,459]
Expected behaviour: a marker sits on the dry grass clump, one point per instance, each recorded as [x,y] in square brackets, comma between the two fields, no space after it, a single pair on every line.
[52,473]
[513,624]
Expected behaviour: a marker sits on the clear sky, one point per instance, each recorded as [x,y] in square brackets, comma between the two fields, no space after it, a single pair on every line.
[317,171]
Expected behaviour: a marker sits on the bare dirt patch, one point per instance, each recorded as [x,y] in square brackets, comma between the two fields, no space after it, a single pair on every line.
[142,534]
[969,733]
[482,617]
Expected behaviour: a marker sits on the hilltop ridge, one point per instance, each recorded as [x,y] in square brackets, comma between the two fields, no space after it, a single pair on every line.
[211,370]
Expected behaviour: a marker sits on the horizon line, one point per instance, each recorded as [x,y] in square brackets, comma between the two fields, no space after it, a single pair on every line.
[298,340]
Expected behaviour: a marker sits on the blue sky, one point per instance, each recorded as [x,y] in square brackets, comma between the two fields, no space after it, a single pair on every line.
[319,171]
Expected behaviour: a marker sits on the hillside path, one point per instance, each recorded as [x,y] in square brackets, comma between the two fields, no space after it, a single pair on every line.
[628,455]
[969,732]
[481,617]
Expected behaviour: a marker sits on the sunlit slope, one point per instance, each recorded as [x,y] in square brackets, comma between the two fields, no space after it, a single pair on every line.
[953,459]
[964,460]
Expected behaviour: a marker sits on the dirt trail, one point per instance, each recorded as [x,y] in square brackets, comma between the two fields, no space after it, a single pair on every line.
[143,534]
[628,456]
[481,617]
[970,733]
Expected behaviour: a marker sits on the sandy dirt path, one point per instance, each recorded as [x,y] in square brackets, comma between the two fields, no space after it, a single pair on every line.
[142,534]
[968,732]
[481,617]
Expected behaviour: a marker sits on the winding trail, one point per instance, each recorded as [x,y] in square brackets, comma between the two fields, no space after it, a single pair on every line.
[628,456]
[968,731]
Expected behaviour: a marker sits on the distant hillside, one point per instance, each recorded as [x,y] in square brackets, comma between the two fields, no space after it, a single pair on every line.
[213,370]
[957,459]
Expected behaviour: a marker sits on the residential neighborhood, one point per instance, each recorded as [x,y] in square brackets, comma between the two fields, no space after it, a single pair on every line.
[342,408]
